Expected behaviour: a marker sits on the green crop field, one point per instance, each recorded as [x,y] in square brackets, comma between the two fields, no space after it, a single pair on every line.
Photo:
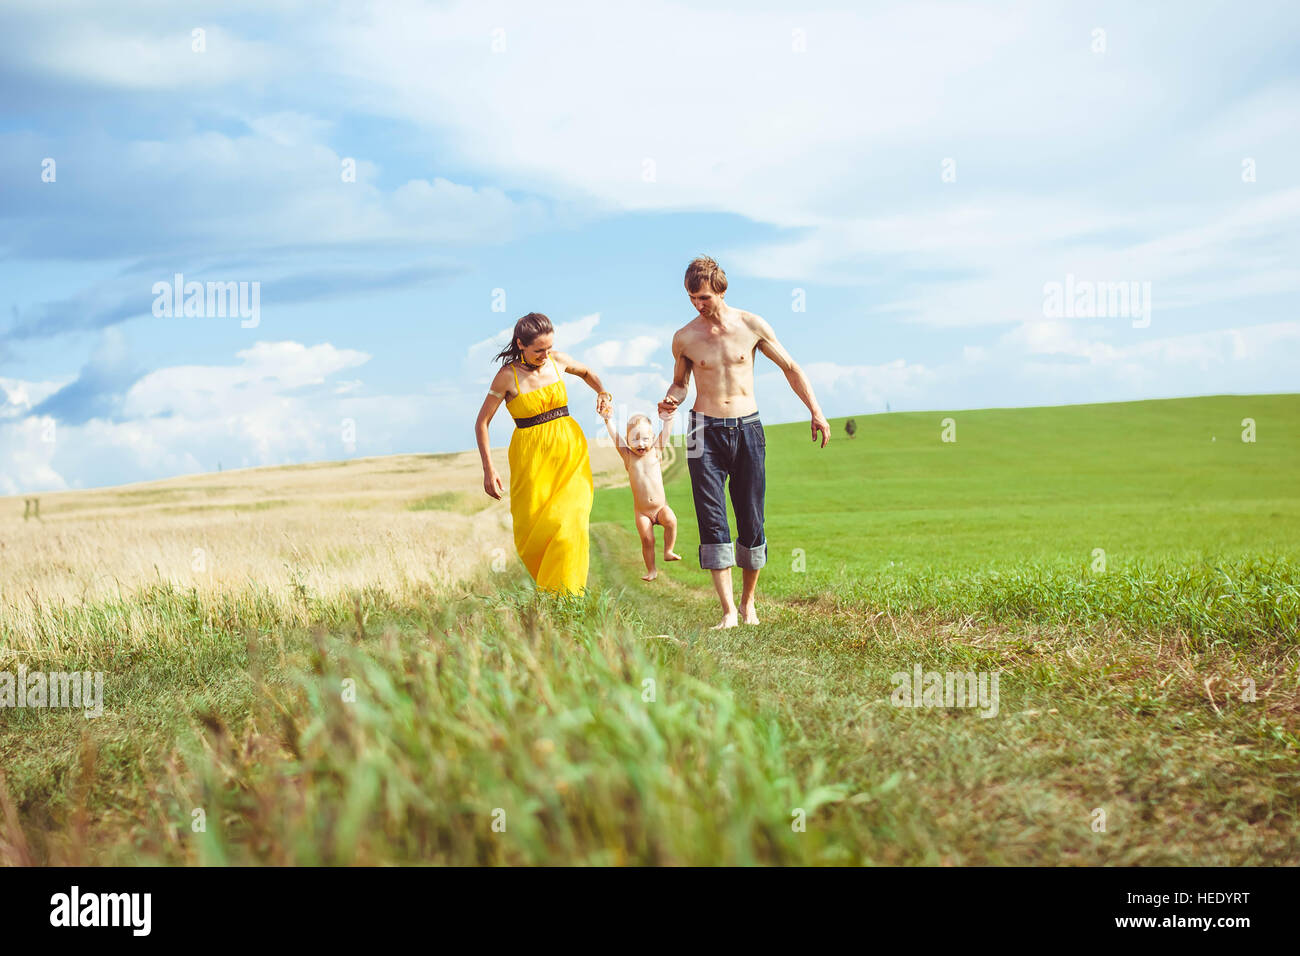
[366,675]
[1076,501]
[1159,479]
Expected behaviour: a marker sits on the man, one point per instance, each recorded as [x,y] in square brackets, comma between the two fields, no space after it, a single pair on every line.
[724,437]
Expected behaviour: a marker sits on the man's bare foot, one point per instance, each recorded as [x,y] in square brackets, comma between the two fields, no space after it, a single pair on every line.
[728,620]
[749,615]
[672,556]
[649,575]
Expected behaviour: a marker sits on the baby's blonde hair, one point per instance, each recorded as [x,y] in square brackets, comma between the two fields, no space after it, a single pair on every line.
[639,417]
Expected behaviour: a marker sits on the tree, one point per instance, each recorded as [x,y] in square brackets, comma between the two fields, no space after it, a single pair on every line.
[851,427]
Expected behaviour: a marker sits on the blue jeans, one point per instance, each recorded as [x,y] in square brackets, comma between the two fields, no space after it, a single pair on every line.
[718,449]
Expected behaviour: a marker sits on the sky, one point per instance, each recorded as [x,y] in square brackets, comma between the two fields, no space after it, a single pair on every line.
[937,206]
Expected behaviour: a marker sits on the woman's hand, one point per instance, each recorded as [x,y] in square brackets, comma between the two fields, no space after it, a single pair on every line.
[492,484]
[604,404]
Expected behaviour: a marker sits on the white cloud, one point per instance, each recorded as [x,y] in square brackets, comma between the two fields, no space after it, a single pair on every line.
[637,351]
[278,186]
[84,48]
[1064,163]
[844,389]
[1199,349]
[480,353]
[569,334]
[20,397]
[289,128]
[1004,251]
[857,86]
[26,456]
[274,405]
[266,370]
[1054,362]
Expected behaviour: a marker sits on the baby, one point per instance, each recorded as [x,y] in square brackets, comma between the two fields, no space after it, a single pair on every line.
[642,455]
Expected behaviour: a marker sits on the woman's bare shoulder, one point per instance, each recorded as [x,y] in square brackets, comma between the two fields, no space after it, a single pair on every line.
[503,381]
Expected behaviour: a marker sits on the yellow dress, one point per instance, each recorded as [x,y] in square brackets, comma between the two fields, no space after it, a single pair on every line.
[551,490]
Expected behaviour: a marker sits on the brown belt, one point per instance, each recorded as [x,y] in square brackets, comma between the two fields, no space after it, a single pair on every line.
[546,416]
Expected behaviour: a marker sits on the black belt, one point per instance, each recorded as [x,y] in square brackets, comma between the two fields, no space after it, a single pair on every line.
[546,416]
[724,422]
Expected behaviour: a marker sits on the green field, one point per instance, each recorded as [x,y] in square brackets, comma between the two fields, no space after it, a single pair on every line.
[1148,710]
[1023,501]
[1160,479]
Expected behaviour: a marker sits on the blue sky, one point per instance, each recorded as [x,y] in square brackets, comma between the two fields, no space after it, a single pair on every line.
[914,173]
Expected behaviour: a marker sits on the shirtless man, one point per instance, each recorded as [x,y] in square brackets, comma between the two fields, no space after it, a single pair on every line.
[724,437]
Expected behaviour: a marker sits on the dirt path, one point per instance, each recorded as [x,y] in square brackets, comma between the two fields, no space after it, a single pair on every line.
[680,602]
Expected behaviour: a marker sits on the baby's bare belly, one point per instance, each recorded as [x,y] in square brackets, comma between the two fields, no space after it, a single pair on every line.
[647,488]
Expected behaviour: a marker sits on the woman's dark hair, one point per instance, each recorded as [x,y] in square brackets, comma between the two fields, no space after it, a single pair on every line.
[526,330]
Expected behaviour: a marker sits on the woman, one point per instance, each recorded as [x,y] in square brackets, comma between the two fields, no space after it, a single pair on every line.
[550,469]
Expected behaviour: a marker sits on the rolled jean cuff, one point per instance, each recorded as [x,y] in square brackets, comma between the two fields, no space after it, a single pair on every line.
[751,558]
[715,557]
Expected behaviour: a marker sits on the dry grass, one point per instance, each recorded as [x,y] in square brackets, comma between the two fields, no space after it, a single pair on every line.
[322,529]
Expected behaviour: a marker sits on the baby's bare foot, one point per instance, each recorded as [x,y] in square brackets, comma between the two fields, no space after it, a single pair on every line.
[749,615]
[672,556]
[650,576]
[728,620]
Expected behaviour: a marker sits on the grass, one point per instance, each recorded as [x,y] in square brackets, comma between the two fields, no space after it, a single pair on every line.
[1123,513]
[1148,728]
[337,703]
[401,731]
[545,736]
[458,501]
[1238,601]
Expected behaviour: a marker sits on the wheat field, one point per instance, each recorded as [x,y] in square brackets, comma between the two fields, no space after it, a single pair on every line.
[323,529]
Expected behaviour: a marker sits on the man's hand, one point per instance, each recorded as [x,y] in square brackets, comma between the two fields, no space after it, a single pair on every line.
[820,424]
[668,407]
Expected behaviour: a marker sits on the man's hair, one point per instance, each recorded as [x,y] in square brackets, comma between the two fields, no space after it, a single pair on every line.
[638,417]
[705,269]
[526,330]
